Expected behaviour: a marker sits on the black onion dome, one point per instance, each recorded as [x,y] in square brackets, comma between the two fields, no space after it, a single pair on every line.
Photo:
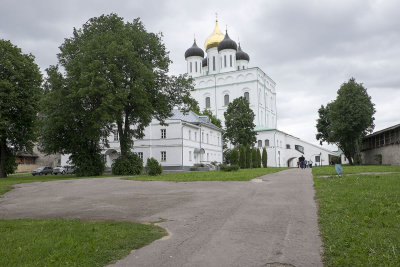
[240,55]
[204,62]
[227,43]
[194,51]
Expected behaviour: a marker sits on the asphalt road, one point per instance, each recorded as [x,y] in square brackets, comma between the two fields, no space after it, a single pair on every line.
[258,223]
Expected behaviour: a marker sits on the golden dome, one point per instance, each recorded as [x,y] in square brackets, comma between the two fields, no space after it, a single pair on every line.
[214,39]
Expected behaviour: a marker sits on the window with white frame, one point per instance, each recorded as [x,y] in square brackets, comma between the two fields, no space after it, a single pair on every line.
[208,102]
[190,135]
[140,155]
[225,61]
[230,59]
[226,100]
[247,96]
[163,155]
[259,143]
[195,66]
[202,137]
[163,133]
[266,142]
[190,155]
[116,136]
[190,66]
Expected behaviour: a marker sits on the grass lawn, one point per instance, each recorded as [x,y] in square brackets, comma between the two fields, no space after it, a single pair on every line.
[359,217]
[240,175]
[60,242]
[349,169]
[6,183]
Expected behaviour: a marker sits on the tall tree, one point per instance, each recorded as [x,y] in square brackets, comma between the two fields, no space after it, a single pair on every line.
[239,122]
[20,91]
[125,69]
[348,119]
[264,158]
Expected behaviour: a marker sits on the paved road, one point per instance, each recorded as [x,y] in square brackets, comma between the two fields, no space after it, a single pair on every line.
[210,223]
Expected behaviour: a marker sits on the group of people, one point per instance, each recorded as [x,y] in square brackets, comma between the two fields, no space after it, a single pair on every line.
[303,163]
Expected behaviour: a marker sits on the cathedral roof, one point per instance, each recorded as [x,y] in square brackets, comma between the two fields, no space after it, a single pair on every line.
[240,55]
[227,43]
[194,51]
[214,39]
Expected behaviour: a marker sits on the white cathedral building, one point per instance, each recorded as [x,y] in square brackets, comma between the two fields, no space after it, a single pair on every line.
[223,74]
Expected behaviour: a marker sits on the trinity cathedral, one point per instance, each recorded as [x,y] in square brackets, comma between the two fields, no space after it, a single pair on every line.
[222,74]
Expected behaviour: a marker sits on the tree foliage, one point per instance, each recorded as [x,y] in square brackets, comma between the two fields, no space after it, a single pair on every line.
[264,158]
[239,122]
[116,77]
[234,157]
[248,156]
[242,157]
[20,91]
[347,120]
[129,164]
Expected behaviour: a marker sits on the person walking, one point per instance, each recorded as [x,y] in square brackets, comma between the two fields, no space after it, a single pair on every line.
[301,159]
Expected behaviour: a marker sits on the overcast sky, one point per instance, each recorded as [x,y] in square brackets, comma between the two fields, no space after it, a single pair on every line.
[309,48]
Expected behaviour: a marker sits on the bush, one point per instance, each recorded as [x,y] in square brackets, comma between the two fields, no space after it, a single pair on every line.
[234,157]
[227,168]
[153,168]
[130,164]
[88,162]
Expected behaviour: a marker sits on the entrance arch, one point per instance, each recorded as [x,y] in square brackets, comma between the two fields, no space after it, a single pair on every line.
[290,161]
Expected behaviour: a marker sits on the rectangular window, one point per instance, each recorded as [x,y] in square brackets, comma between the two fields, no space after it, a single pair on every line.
[190,135]
[190,67]
[230,60]
[116,136]
[266,142]
[163,133]
[195,66]
[163,155]
[317,158]
[259,143]
[299,148]
[202,137]
[140,154]
[287,146]
[225,61]
[213,63]
[195,136]
[190,155]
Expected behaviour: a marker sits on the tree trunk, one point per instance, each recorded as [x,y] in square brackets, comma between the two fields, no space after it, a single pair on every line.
[3,147]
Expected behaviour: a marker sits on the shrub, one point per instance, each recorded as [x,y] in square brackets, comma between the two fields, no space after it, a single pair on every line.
[248,156]
[227,168]
[193,169]
[153,168]
[130,164]
[242,157]
[264,158]
[234,157]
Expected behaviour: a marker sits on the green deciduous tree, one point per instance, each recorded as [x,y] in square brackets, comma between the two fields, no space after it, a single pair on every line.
[119,72]
[239,122]
[20,91]
[347,120]
[264,158]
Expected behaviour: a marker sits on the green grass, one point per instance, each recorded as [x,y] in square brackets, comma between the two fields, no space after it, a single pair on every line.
[6,184]
[60,242]
[240,175]
[349,169]
[359,217]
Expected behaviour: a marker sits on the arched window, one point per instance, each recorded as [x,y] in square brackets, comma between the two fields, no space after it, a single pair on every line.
[213,63]
[225,61]
[230,60]
[259,143]
[266,142]
[208,105]
[226,100]
[190,67]
[195,66]
[247,96]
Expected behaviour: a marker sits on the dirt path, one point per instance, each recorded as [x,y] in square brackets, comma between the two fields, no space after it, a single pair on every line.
[210,223]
